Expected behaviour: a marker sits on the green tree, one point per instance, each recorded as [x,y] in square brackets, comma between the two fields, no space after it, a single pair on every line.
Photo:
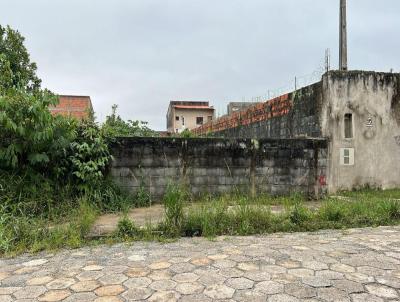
[115,126]
[31,138]
[16,69]
[29,135]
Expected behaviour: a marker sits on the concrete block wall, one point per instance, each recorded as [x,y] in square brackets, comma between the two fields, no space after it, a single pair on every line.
[289,116]
[216,166]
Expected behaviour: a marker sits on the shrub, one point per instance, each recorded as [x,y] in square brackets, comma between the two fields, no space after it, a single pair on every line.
[88,156]
[126,228]
[30,136]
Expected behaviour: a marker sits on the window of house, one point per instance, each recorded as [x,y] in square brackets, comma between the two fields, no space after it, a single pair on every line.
[348,125]
[199,120]
[183,121]
[177,118]
[209,118]
[347,156]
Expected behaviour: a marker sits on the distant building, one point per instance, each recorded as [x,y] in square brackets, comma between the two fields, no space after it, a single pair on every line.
[79,107]
[183,115]
[238,106]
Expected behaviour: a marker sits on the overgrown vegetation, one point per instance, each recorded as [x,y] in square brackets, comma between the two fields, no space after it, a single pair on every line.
[241,215]
[115,126]
[53,181]
[52,169]
[173,203]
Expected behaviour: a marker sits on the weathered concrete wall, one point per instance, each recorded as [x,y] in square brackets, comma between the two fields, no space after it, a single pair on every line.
[289,116]
[373,99]
[276,166]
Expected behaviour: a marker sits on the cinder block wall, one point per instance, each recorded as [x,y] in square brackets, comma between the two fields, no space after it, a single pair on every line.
[216,166]
[292,115]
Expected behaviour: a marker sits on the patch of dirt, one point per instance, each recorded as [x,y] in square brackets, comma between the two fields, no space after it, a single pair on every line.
[107,224]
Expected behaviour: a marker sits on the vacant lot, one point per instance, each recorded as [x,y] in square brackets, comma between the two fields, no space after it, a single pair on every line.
[182,216]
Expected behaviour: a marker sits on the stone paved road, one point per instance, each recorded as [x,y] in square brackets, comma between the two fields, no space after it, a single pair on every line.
[357,265]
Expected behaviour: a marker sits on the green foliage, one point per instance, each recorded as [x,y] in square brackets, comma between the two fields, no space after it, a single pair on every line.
[52,168]
[33,140]
[30,136]
[187,134]
[242,216]
[143,197]
[392,208]
[108,197]
[115,126]
[299,214]
[16,69]
[126,228]
[89,155]
[219,218]
[173,202]
[332,211]
[23,233]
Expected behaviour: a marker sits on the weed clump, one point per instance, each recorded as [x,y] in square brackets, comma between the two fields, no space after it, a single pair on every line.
[174,199]
[126,228]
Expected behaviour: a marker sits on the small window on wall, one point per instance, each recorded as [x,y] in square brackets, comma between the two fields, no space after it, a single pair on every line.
[199,120]
[183,121]
[348,125]
[347,156]
[177,118]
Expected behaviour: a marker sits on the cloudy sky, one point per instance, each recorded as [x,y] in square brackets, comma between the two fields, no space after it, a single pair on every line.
[140,54]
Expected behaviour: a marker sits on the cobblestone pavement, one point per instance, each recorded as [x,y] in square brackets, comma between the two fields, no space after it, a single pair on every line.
[360,265]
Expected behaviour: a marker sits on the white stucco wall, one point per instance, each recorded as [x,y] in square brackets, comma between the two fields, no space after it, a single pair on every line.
[374,101]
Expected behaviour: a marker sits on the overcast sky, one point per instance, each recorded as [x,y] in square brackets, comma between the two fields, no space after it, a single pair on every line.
[140,54]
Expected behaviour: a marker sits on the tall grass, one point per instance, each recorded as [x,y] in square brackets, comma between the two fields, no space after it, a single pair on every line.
[22,233]
[174,200]
[245,218]
[37,213]
[241,215]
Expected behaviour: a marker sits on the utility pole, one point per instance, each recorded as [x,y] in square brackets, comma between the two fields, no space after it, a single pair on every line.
[343,36]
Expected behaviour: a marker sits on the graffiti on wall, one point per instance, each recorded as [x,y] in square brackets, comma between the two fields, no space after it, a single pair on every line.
[322,180]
